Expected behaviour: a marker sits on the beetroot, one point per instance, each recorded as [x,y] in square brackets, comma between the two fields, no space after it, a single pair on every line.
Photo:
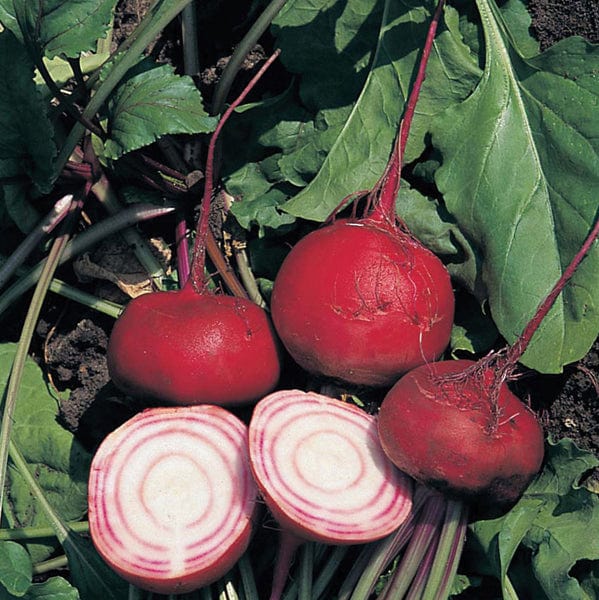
[437,425]
[456,426]
[190,348]
[193,346]
[171,497]
[362,300]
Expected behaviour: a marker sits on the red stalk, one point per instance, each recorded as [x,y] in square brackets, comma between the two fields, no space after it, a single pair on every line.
[182,250]
[197,277]
[388,186]
[518,348]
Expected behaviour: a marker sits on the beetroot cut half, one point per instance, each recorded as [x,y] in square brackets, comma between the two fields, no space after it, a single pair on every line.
[171,497]
[323,474]
[321,469]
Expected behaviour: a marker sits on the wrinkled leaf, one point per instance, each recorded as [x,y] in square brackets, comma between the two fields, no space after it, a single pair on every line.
[58,461]
[15,569]
[255,141]
[151,104]
[520,174]
[26,145]
[54,588]
[92,576]
[553,520]
[60,27]
[258,202]
[362,142]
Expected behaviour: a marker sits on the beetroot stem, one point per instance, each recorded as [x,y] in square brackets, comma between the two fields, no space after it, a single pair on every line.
[417,555]
[381,554]
[449,550]
[182,250]
[517,349]
[288,545]
[197,277]
[390,182]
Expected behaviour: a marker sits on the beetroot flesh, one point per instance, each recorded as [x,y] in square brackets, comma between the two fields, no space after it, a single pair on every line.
[187,348]
[171,499]
[363,302]
[450,431]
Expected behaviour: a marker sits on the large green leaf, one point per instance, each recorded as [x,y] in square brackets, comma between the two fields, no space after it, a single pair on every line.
[59,462]
[151,104]
[54,588]
[520,174]
[26,144]
[15,569]
[553,520]
[336,134]
[362,141]
[58,27]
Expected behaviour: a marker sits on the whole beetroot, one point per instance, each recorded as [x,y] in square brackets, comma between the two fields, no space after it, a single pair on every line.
[456,426]
[186,347]
[449,426]
[362,300]
[193,346]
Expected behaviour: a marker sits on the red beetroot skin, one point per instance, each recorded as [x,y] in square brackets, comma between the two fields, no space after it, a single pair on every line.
[444,436]
[188,348]
[362,302]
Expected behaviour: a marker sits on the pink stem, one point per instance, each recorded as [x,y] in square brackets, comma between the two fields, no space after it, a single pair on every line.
[182,251]
[288,545]
[390,182]
[519,347]
[198,279]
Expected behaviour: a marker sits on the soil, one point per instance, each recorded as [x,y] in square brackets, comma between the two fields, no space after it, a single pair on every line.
[554,20]
[74,342]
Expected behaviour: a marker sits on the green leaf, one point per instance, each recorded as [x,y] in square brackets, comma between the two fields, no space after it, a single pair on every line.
[517,17]
[58,461]
[61,71]
[54,588]
[17,206]
[552,520]
[342,35]
[362,140]
[473,330]
[152,104]
[258,202]
[26,144]
[520,174]
[560,536]
[62,27]
[15,569]
[331,133]
[8,20]
[92,576]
